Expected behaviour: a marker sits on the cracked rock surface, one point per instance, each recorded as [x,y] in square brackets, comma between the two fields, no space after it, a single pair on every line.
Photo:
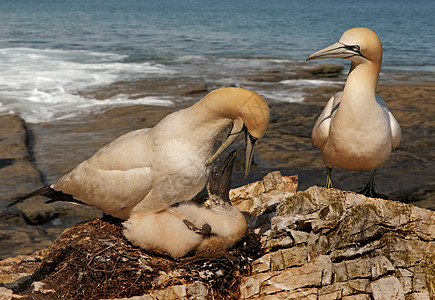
[330,244]
[313,244]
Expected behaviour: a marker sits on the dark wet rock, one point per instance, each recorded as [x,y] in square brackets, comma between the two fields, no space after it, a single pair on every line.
[321,94]
[277,75]
[32,225]
[18,175]
[15,162]
[149,87]
[320,71]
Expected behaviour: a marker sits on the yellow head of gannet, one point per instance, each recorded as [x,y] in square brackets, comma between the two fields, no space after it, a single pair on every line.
[147,170]
[359,45]
[247,110]
[356,130]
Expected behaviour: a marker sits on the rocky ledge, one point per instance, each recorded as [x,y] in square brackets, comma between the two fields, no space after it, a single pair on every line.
[313,244]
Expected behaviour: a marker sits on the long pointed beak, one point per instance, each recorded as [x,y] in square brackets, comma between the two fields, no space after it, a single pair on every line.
[336,50]
[226,173]
[250,144]
[232,136]
[219,180]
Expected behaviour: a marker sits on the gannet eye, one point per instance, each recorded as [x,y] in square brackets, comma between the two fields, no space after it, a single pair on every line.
[215,174]
[356,48]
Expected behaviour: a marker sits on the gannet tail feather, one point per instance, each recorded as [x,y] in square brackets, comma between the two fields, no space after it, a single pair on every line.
[48,192]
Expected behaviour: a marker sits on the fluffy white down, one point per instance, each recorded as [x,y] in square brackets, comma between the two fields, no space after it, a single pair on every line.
[166,233]
[163,233]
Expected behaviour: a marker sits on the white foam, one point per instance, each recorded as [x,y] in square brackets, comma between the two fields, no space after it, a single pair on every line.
[283,96]
[192,59]
[42,85]
[308,82]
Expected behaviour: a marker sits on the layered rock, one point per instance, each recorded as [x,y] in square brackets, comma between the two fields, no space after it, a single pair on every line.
[320,244]
[329,244]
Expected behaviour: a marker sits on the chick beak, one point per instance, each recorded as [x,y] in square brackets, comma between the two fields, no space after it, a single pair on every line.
[250,144]
[219,180]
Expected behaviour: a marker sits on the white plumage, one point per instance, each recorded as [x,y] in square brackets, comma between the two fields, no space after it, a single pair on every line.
[148,170]
[356,130]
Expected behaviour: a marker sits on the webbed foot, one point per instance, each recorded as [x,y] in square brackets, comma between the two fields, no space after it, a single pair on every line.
[369,189]
[205,229]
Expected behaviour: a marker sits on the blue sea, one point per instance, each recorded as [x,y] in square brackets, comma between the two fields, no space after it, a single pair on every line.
[52,51]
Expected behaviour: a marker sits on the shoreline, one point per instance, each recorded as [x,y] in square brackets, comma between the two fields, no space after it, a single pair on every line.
[55,148]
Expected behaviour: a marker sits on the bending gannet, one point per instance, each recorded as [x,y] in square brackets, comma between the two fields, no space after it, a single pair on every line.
[148,170]
[191,228]
[356,130]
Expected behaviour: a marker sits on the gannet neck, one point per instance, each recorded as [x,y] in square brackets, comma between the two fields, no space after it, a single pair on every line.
[202,124]
[362,81]
[236,104]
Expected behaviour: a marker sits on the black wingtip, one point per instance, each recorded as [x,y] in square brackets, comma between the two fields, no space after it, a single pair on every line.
[14,202]
[37,192]
[48,192]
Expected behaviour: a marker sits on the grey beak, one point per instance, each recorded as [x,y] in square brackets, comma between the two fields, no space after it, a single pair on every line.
[336,50]
[232,136]
[250,144]
[219,180]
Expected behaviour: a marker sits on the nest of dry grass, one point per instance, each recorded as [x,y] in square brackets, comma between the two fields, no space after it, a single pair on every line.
[93,260]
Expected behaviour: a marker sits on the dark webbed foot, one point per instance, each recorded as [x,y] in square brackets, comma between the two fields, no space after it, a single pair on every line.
[205,230]
[369,189]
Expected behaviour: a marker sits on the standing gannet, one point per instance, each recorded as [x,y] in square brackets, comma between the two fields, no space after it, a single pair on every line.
[356,130]
[189,227]
[148,170]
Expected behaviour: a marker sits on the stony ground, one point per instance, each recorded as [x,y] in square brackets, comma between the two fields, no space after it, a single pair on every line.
[313,244]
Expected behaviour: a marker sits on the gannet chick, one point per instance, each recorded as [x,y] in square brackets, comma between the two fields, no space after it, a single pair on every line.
[356,130]
[148,170]
[191,228]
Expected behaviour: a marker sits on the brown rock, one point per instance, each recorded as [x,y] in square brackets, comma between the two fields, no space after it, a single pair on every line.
[17,174]
[320,71]
[338,245]
[149,87]
[277,75]
[374,247]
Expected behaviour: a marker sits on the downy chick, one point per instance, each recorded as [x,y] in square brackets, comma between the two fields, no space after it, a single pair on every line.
[189,227]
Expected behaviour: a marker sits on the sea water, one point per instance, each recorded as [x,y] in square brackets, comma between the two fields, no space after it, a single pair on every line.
[52,50]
